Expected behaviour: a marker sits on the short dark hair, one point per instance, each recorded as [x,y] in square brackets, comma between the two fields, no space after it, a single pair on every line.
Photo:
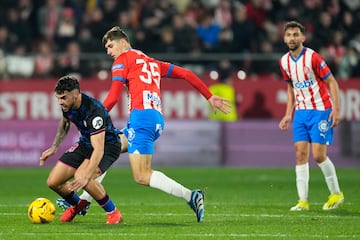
[67,83]
[114,33]
[294,24]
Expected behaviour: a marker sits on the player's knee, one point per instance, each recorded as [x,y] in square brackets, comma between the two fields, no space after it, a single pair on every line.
[301,157]
[319,158]
[51,183]
[141,178]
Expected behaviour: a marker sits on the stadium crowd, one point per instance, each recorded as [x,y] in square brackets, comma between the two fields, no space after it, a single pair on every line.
[50,38]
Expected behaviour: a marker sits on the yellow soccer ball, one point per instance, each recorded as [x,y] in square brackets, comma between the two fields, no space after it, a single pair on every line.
[41,210]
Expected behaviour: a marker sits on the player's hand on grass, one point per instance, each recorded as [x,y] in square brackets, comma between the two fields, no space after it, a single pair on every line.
[46,154]
[219,103]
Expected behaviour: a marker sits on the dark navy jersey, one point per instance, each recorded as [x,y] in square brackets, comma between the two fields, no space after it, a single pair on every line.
[92,118]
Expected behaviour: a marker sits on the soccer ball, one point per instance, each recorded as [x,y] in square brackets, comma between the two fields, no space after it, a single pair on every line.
[41,210]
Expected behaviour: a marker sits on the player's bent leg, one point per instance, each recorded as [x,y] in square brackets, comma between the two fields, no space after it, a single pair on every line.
[141,167]
[97,191]
[58,177]
[61,203]
[85,195]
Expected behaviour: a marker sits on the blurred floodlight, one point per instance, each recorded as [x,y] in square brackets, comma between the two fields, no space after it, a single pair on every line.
[214,75]
[102,74]
[241,74]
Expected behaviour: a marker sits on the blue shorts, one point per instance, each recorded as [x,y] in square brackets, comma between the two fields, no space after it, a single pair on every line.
[143,128]
[312,126]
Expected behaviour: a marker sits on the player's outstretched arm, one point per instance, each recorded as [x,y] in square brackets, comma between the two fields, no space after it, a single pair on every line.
[62,131]
[219,103]
[46,154]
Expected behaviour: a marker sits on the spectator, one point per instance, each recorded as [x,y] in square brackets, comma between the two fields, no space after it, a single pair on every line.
[110,9]
[324,30]
[142,40]
[184,34]
[310,10]
[223,13]
[256,12]
[94,20]
[28,14]
[349,65]
[264,66]
[71,62]
[194,12]
[241,27]
[124,20]
[224,44]
[67,29]
[18,28]
[166,42]
[7,43]
[48,18]
[250,23]
[44,60]
[348,26]
[208,32]
[87,42]
[336,50]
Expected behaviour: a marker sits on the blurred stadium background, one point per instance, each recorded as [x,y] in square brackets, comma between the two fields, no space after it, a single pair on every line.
[43,40]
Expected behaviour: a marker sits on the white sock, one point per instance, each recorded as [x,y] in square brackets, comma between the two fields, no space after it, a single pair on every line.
[302,181]
[328,169]
[161,181]
[85,195]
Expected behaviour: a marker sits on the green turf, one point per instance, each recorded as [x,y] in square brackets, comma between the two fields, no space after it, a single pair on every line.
[240,203]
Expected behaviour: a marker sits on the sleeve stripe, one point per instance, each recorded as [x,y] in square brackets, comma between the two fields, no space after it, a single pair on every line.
[170,70]
[98,131]
[326,76]
[119,79]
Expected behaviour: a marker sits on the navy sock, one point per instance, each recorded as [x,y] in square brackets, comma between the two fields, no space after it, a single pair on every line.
[72,198]
[106,203]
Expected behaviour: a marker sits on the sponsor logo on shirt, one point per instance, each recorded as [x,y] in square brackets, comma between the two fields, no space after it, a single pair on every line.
[304,84]
[154,98]
[322,64]
[97,123]
[117,67]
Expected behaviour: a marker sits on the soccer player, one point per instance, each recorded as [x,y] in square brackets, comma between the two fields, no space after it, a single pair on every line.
[141,75]
[314,94]
[97,149]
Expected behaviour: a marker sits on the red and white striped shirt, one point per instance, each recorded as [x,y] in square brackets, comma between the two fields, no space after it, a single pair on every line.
[141,76]
[307,73]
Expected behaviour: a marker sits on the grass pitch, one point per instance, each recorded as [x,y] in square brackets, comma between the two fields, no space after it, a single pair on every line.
[239,203]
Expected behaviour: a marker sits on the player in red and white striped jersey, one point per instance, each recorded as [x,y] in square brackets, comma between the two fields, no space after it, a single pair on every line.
[141,75]
[314,94]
